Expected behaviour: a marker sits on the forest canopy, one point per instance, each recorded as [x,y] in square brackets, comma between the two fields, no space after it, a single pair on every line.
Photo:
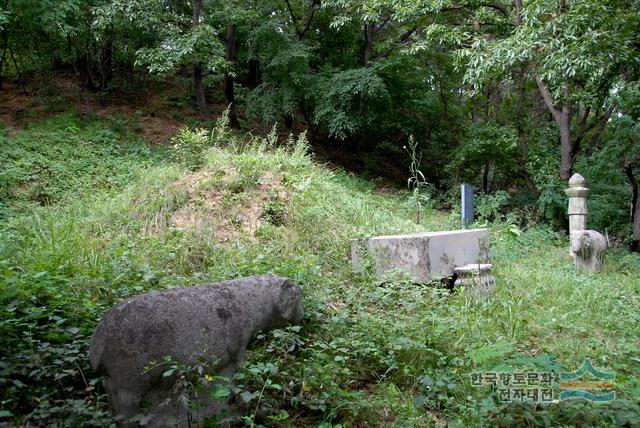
[510,96]
[155,145]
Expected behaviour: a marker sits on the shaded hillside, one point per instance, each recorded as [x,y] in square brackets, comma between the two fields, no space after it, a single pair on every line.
[120,218]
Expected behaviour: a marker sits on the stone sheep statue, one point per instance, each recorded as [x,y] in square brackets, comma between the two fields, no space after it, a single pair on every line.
[211,322]
[587,248]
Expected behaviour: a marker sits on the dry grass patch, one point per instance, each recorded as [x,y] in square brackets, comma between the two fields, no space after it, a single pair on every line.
[224,204]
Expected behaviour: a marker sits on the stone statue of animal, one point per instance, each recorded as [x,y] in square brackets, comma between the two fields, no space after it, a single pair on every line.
[211,322]
[587,248]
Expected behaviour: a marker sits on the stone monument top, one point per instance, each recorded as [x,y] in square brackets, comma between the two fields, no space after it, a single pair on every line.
[577,180]
[577,187]
[577,193]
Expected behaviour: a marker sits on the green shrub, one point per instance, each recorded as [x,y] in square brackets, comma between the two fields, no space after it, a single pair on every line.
[189,146]
[366,353]
[490,206]
[64,158]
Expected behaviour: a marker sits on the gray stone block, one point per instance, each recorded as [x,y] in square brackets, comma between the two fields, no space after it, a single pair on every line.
[422,256]
[211,323]
[477,278]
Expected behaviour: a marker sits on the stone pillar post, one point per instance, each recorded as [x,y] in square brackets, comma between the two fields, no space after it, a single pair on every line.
[587,246]
[466,205]
[577,193]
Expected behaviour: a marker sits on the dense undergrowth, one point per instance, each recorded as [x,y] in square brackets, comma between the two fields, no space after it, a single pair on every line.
[90,216]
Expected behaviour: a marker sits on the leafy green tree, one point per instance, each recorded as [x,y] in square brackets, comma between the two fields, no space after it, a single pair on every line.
[489,151]
[185,40]
[576,51]
[625,142]
[37,34]
[284,71]
[124,27]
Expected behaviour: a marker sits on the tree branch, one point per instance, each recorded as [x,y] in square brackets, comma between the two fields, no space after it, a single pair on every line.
[602,123]
[406,36]
[566,107]
[294,19]
[497,7]
[628,170]
[518,5]
[593,123]
[384,23]
[582,123]
[503,11]
[308,25]
[548,98]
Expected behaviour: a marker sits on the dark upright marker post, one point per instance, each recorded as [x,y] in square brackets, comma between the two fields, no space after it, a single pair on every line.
[466,191]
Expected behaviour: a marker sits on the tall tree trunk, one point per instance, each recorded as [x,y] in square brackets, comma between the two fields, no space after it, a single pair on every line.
[106,62]
[635,204]
[443,98]
[198,88]
[520,123]
[524,150]
[18,72]
[254,73]
[81,69]
[2,60]
[198,85]
[518,5]
[5,45]
[369,36]
[288,121]
[636,221]
[566,144]
[562,116]
[228,78]
[309,123]
[485,177]
[84,70]
[522,137]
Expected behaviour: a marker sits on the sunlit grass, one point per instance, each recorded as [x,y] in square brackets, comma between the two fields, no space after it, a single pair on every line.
[367,346]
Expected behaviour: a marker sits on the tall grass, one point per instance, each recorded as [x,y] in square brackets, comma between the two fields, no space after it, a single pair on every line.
[379,354]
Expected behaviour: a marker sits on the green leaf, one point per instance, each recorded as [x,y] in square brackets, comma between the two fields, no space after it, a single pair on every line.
[490,352]
[220,392]
[247,396]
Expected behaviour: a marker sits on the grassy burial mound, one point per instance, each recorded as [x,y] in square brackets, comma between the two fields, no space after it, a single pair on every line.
[91,215]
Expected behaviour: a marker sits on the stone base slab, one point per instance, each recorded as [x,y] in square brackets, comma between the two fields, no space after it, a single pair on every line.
[422,257]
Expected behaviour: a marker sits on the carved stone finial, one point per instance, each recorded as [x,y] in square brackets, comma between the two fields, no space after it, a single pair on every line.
[577,180]
[577,193]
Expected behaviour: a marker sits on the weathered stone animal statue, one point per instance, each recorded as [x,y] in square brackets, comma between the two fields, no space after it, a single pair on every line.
[211,322]
[587,248]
